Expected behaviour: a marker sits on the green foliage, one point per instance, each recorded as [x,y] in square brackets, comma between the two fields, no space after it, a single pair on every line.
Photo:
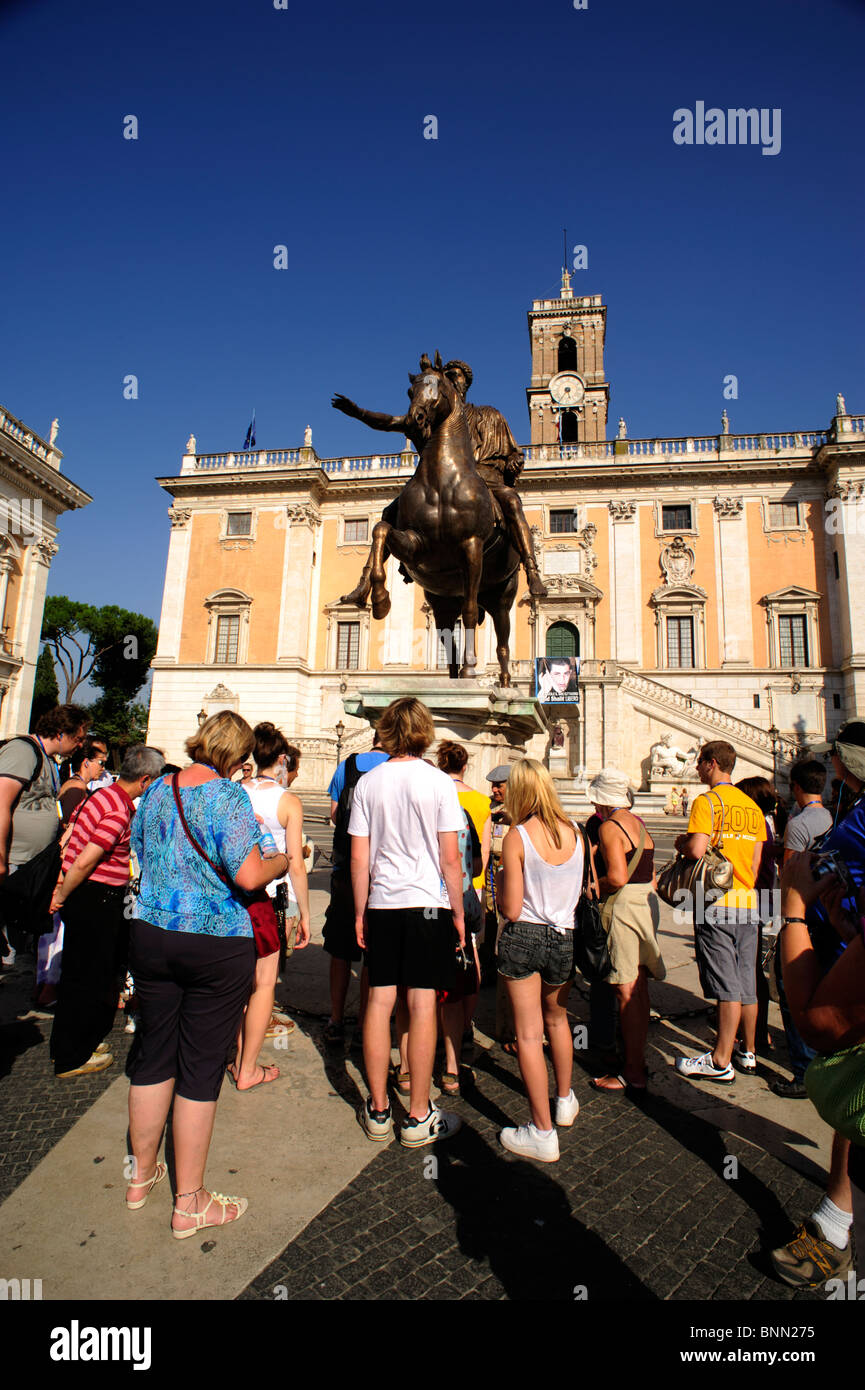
[110,645]
[120,722]
[45,689]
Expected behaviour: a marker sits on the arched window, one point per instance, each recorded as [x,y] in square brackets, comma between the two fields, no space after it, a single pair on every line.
[567,355]
[563,639]
[570,427]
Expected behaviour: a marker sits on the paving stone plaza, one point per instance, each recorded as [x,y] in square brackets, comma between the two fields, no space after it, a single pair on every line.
[674,1200]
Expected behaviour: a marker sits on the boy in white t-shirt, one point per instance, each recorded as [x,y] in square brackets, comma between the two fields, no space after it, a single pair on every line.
[406,876]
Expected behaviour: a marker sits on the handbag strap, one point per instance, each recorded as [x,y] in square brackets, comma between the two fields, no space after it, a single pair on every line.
[713,842]
[190,837]
[590,877]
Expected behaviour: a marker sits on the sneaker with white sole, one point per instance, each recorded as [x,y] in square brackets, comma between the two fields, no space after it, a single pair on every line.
[703,1068]
[567,1110]
[96,1062]
[529,1142]
[377,1124]
[744,1061]
[439,1124]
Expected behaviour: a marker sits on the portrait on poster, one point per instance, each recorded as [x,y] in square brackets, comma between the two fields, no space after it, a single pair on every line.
[557,680]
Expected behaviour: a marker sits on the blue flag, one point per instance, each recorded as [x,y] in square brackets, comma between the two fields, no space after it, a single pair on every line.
[250,434]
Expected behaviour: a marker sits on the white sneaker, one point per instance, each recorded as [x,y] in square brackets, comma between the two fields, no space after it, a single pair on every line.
[744,1061]
[377,1124]
[567,1110]
[439,1124]
[531,1143]
[129,1026]
[703,1068]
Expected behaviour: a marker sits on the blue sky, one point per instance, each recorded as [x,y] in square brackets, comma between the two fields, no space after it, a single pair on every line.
[304,127]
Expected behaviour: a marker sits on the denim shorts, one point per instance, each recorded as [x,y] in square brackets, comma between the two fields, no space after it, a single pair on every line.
[530,948]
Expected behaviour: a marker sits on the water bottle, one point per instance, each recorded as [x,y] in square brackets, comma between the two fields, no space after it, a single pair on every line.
[267,844]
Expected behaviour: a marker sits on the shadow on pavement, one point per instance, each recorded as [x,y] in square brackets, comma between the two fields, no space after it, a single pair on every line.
[513,1214]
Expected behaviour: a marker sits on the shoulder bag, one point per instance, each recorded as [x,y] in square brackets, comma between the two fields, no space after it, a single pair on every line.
[591,950]
[836,1088]
[678,881]
[262,914]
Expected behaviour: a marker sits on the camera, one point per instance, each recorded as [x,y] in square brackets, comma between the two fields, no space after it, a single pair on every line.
[829,863]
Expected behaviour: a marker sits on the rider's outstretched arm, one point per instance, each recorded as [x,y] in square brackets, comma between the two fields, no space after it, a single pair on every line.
[377,421]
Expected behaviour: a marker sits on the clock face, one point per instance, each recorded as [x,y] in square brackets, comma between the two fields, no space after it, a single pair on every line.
[567,389]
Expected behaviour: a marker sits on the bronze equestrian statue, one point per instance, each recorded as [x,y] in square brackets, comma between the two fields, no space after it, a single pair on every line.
[443,527]
[497,458]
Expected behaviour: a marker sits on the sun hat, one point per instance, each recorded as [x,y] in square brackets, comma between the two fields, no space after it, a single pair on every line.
[848,745]
[500,773]
[611,788]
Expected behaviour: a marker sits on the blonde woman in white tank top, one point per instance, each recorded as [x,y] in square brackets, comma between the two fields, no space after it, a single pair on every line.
[540,882]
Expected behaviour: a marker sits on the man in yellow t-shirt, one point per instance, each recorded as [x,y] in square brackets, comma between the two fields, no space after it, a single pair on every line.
[726,930]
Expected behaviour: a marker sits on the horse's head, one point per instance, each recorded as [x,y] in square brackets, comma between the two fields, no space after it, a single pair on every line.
[432,396]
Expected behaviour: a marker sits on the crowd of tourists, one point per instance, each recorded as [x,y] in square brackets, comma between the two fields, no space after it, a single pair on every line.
[182,890]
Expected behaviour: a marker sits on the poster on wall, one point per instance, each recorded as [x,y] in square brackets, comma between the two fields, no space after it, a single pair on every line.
[557,680]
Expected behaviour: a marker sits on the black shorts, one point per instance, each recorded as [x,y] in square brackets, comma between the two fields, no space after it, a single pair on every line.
[411,946]
[339,935]
[191,990]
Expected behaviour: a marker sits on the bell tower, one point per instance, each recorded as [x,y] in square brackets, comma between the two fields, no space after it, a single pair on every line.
[569,394]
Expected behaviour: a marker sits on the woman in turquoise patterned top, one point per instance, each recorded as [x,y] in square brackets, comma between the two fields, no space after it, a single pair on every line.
[192,956]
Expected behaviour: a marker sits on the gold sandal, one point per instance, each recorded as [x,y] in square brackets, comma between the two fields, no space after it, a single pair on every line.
[199,1217]
[149,1183]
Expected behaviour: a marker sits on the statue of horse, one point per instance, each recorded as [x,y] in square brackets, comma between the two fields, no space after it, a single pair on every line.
[443,527]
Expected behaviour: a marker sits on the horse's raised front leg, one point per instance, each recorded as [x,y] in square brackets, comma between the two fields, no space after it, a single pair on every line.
[386,539]
[473,558]
[360,594]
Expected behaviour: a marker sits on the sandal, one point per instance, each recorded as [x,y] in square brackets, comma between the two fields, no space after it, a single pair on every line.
[276,1028]
[624,1087]
[402,1083]
[449,1084]
[200,1217]
[262,1080]
[149,1183]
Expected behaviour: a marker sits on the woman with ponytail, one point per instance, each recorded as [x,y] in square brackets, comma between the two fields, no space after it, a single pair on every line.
[280,812]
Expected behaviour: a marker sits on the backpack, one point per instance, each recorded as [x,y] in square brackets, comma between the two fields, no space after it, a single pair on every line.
[341,853]
[37,748]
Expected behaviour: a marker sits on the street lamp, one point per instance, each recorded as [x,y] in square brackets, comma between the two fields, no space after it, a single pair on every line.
[202,717]
[340,730]
[775,737]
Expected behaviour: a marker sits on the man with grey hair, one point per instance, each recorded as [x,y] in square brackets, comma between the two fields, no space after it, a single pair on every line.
[90,895]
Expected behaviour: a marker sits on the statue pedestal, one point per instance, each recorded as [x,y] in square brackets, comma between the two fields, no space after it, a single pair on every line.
[494,722]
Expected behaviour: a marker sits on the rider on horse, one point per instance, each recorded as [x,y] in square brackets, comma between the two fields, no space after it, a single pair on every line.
[497,458]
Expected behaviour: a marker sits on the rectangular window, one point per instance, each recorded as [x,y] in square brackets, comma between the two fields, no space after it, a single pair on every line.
[783,514]
[676,517]
[680,642]
[227,636]
[793,638]
[356,530]
[836,701]
[348,646]
[239,524]
[563,521]
[756,701]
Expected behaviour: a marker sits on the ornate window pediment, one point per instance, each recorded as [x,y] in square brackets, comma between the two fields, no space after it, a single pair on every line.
[792,619]
[227,626]
[672,603]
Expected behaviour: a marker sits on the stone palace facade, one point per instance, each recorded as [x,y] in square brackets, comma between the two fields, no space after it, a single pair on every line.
[712,587]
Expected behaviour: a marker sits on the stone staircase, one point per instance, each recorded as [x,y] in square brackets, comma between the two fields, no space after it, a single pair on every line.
[703,722]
